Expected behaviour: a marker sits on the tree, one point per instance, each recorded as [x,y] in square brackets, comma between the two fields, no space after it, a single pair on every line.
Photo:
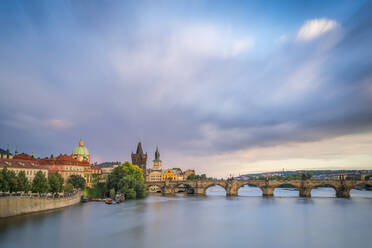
[77,181]
[96,180]
[99,188]
[112,193]
[40,183]
[197,177]
[123,170]
[22,182]
[191,177]
[114,177]
[12,181]
[128,180]
[133,170]
[2,181]
[4,184]
[68,188]
[55,183]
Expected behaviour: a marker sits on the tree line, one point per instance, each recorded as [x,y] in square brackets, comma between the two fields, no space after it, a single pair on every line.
[54,184]
[289,177]
[198,177]
[126,179]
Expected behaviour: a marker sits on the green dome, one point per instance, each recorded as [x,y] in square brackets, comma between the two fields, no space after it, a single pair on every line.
[81,150]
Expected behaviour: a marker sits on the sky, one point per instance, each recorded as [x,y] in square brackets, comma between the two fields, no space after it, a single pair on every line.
[222,87]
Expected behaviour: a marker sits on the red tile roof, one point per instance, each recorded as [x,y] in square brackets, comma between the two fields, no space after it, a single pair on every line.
[19,163]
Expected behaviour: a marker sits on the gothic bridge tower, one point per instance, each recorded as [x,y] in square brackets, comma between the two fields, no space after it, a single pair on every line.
[139,158]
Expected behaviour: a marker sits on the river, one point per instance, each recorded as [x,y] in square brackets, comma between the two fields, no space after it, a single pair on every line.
[212,221]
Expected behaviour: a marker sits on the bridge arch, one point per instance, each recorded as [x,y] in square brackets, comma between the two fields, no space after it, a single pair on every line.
[249,189]
[176,186]
[357,189]
[154,188]
[214,184]
[324,190]
[278,189]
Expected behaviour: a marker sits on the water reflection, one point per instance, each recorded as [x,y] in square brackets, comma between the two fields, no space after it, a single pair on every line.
[190,221]
[286,192]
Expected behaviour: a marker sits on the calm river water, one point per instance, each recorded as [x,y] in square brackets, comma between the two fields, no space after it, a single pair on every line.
[212,221]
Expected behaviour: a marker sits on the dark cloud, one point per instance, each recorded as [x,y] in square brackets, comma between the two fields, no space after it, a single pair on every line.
[107,74]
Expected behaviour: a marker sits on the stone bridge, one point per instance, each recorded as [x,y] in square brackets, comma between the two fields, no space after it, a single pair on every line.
[342,187]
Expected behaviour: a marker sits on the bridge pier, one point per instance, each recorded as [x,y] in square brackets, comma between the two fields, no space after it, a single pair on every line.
[232,193]
[199,191]
[167,191]
[305,192]
[343,192]
[267,191]
[267,187]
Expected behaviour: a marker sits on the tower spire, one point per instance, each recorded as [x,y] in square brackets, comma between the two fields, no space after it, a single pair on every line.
[139,148]
[157,154]
[16,150]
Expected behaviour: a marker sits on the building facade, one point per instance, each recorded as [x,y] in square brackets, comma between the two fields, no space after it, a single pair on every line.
[30,167]
[140,159]
[178,172]
[107,168]
[169,175]
[6,153]
[68,165]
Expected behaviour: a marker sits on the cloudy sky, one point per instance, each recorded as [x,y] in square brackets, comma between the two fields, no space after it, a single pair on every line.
[224,87]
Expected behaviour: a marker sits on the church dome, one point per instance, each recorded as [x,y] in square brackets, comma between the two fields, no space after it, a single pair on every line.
[81,150]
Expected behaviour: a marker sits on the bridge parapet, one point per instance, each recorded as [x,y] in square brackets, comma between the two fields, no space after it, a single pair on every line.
[342,187]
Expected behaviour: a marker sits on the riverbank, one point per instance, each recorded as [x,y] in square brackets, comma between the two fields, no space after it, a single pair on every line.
[19,205]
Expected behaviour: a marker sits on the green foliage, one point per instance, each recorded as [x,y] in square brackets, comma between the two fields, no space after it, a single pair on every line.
[127,179]
[68,188]
[77,181]
[12,181]
[114,177]
[97,191]
[191,177]
[197,177]
[55,183]
[4,184]
[96,179]
[112,193]
[40,183]
[131,194]
[22,182]
[133,170]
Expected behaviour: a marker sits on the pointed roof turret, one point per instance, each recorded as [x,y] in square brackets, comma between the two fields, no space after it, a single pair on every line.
[139,148]
[16,150]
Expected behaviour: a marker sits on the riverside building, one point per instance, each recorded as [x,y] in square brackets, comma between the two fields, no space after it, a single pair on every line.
[30,167]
